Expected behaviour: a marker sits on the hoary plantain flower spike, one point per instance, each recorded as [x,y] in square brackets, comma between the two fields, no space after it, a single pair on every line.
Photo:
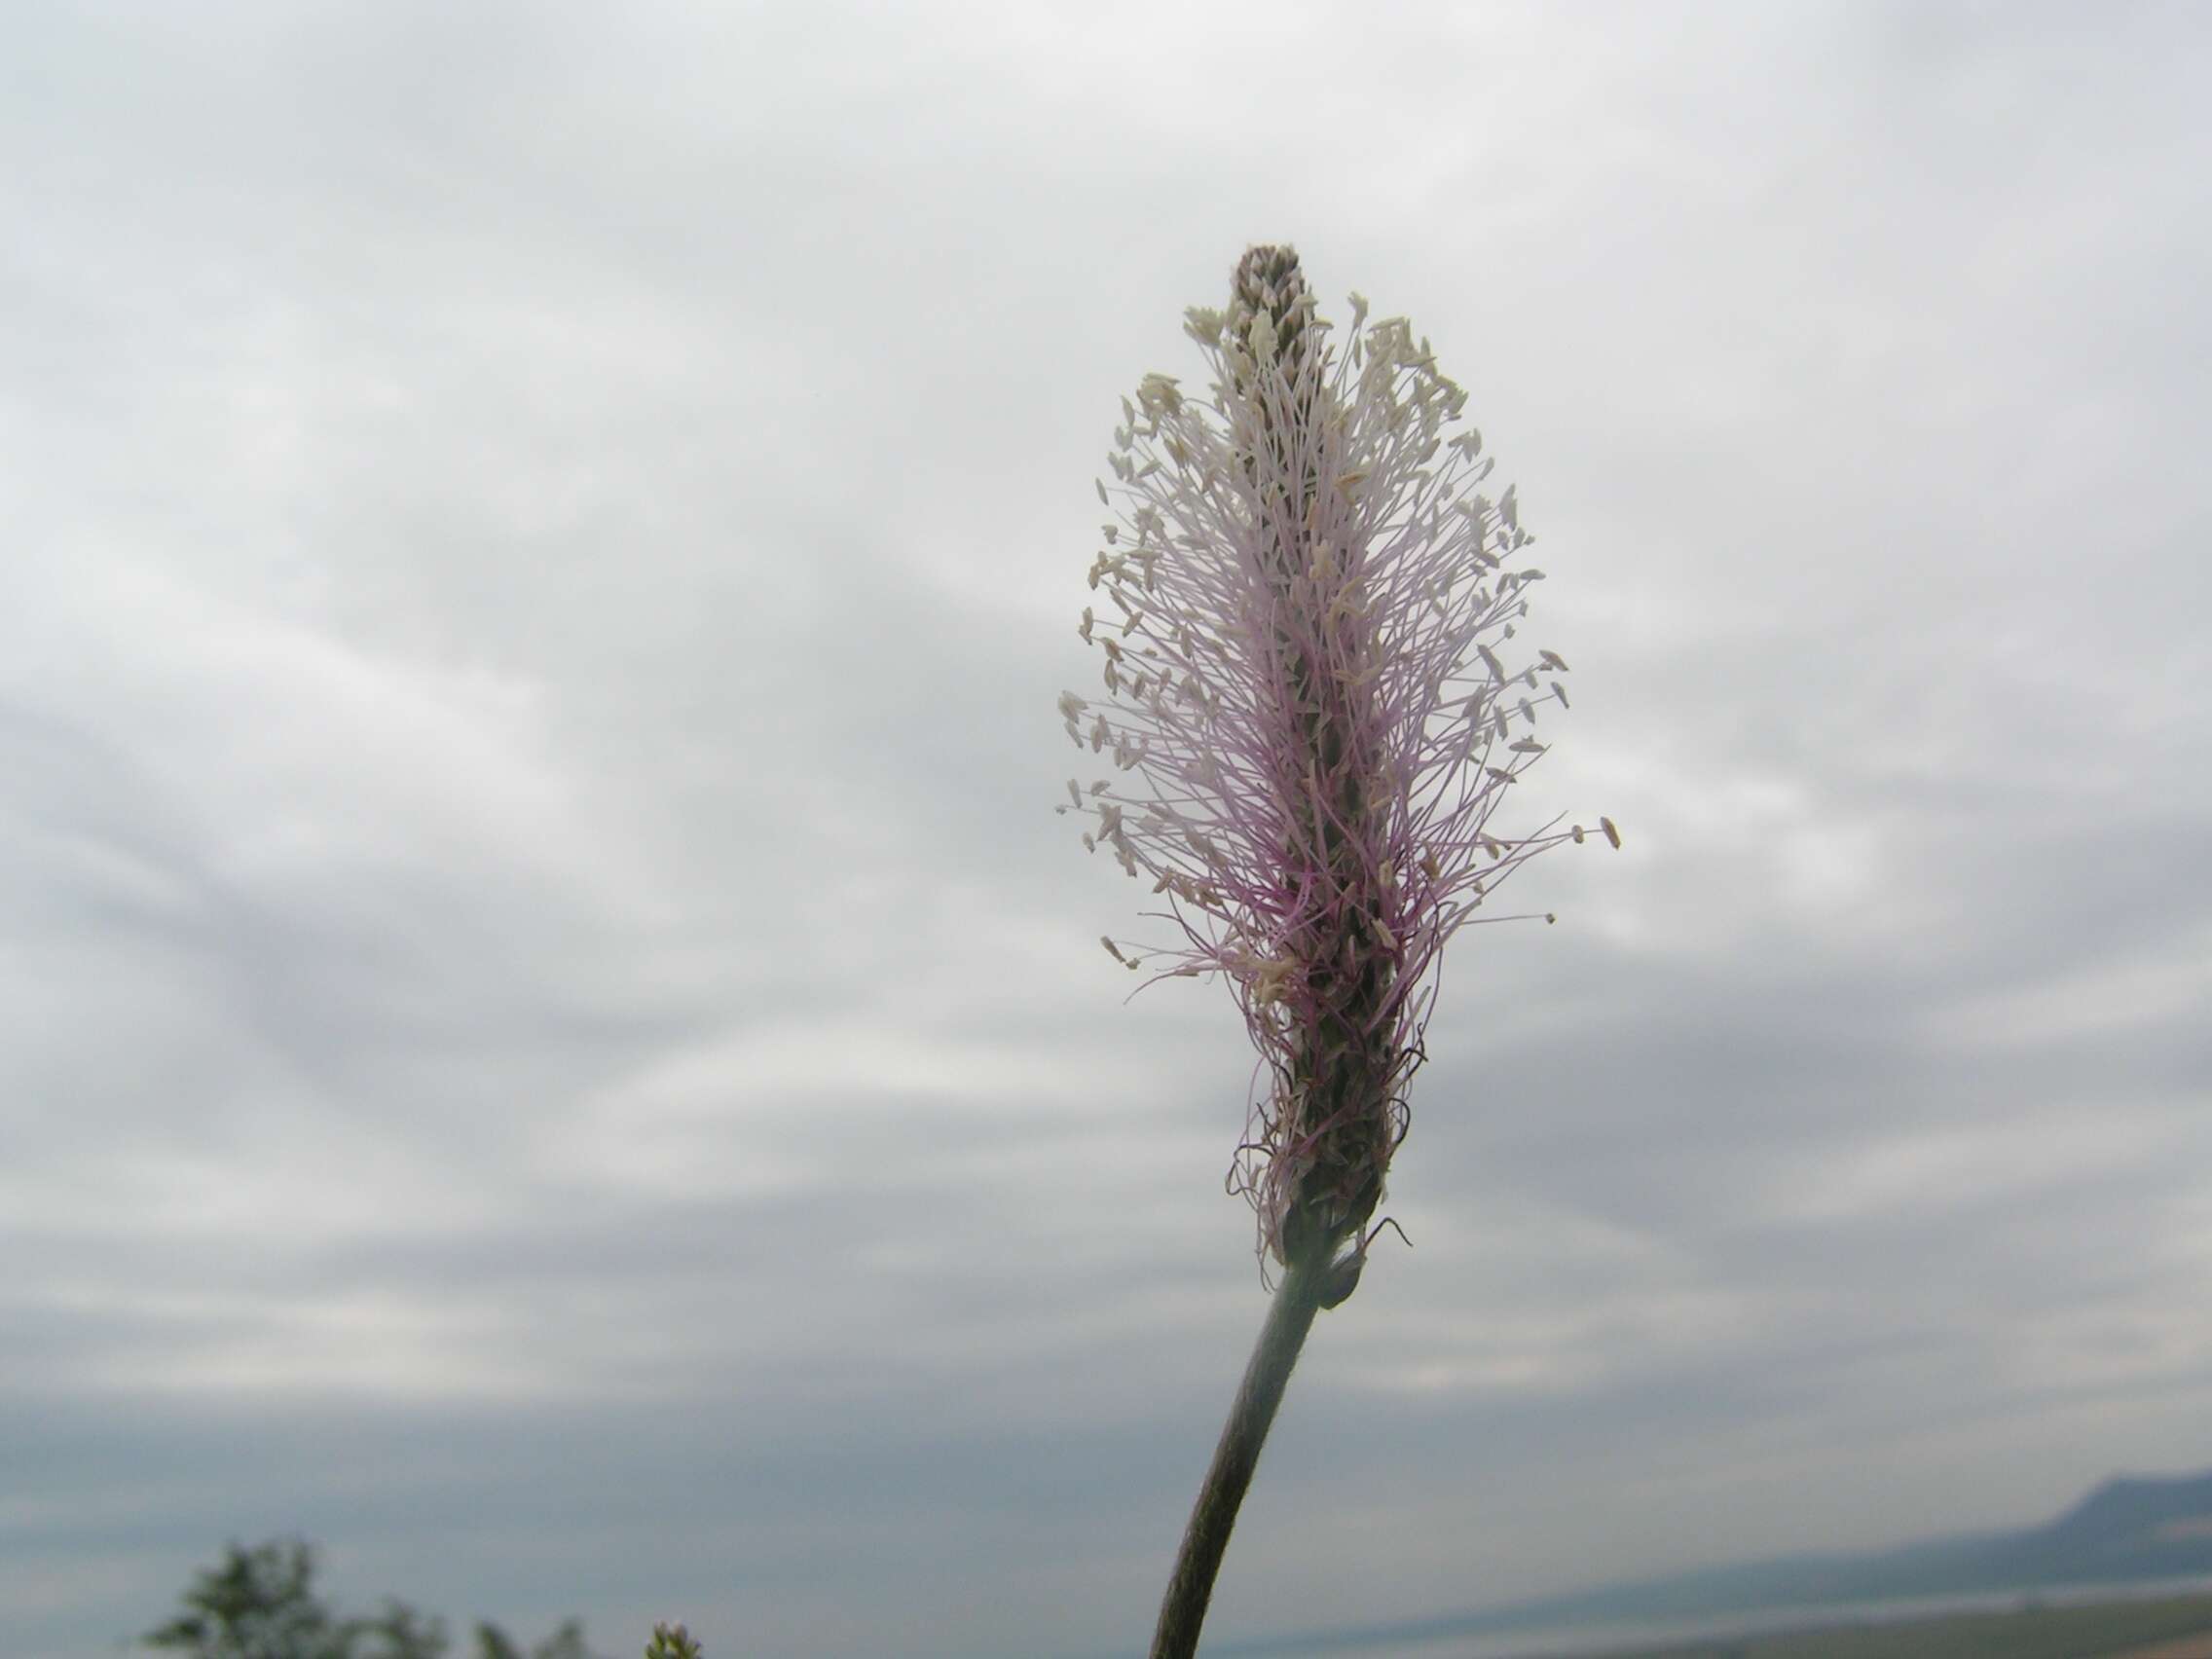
[1316,709]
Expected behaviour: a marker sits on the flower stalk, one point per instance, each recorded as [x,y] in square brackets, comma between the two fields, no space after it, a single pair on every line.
[1307,696]
[1297,1298]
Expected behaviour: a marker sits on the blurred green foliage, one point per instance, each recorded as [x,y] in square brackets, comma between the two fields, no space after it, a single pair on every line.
[261,1603]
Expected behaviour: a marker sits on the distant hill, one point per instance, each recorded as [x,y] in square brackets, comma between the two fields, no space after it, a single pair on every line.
[2129,1530]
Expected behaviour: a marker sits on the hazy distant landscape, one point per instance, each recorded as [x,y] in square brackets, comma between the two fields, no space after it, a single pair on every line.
[2143,1535]
[2178,1626]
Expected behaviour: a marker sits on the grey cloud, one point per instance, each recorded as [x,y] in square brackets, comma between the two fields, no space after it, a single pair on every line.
[554,1043]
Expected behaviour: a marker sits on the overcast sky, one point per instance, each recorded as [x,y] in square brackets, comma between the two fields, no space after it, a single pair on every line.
[551,1042]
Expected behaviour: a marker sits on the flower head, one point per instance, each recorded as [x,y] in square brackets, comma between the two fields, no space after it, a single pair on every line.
[1314,707]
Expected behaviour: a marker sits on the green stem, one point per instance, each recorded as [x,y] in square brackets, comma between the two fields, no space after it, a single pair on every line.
[1305,1285]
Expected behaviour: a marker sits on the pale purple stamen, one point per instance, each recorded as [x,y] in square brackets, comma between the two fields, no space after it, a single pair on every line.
[1306,612]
